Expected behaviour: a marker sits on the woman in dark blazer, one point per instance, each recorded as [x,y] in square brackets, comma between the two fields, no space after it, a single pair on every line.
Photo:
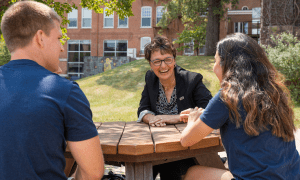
[169,90]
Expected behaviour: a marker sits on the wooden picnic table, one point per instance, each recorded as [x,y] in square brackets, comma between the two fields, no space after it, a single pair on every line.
[141,146]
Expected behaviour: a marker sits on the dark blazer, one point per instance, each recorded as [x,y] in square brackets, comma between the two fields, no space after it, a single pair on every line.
[190,90]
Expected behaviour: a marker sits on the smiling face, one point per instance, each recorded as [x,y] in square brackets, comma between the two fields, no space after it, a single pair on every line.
[217,67]
[165,72]
[52,48]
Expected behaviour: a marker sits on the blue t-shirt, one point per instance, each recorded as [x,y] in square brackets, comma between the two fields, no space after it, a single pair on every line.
[40,111]
[252,157]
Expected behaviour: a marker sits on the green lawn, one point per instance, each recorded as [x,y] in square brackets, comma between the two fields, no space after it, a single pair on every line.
[115,94]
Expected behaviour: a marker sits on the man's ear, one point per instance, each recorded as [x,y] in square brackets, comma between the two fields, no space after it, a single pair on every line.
[38,38]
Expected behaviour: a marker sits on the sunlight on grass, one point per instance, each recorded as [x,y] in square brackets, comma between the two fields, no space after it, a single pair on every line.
[115,94]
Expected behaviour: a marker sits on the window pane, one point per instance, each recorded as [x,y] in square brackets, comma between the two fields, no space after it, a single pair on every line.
[73,56]
[123,23]
[82,55]
[146,12]
[146,21]
[86,13]
[73,22]
[159,11]
[85,47]
[109,54]
[109,46]
[81,68]
[73,14]
[73,47]
[73,68]
[110,16]
[87,22]
[158,19]
[121,54]
[246,28]
[121,45]
[109,22]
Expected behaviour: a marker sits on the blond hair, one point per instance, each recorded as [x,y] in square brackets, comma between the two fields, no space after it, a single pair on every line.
[23,19]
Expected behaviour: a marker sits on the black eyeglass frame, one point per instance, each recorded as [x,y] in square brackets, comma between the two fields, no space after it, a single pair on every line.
[164,60]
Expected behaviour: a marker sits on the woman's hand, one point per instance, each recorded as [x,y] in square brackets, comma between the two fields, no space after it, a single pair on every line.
[162,120]
[185,114]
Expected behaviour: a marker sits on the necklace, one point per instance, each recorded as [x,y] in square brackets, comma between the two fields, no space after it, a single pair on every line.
[168,87]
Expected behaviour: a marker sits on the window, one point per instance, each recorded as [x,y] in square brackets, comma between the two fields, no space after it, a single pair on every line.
[72,17]
[241,27]
[108,20]
[146,16]
[144,42]
[202,50]
[190,49]
[245,8]
[86,18]
[159,13]
[77,49]
[115,48]
[123,23]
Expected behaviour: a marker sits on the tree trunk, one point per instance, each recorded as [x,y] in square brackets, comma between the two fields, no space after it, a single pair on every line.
[212,28]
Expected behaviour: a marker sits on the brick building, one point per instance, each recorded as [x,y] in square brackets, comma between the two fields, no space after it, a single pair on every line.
[93,34]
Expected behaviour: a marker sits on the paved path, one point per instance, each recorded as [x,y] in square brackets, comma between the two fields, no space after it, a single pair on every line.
[121,170]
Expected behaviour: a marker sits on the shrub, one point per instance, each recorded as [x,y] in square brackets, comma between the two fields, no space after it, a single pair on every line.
[284,55]
[4,54]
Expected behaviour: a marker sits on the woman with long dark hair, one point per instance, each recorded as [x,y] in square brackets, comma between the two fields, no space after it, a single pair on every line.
[254,114]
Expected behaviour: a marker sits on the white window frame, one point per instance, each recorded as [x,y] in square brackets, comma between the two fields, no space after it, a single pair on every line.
[119,22]
[110,16]
[79,51]
[141,47]
[144,7]
[85,18]
[162,9]
[245,7]
[241,25]
[75,10]
[115,51]
[186,53]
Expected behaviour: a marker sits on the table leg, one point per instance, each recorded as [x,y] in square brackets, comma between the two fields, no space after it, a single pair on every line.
[210,160]
[139,171]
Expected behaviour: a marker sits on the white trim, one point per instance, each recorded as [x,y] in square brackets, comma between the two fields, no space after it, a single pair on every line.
[63,75]
[146,17]
[76,20]
[82,18]
[245,7]
[63,60]
[104,16]
[119,22]
[240,12]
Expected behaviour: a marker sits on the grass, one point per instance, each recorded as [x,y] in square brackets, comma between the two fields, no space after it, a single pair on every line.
[114,95]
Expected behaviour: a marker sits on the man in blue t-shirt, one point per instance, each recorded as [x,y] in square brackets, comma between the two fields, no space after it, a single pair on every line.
[41,111]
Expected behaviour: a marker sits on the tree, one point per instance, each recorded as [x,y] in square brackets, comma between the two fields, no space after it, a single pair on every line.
[121,7]
[196,15]
[4,54]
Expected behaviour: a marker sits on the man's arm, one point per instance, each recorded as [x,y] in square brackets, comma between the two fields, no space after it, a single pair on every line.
[89,157]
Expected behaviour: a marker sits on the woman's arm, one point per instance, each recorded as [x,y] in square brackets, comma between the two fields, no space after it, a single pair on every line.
[161,120]
[196,129]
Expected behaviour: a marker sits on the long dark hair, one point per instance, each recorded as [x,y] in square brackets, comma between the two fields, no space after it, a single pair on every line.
[249,76]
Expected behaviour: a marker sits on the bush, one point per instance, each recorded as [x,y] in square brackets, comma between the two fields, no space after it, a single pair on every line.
[284,55]
[4,54]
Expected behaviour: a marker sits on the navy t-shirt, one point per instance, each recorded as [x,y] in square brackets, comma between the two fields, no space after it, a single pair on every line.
[40,111]
[252,157]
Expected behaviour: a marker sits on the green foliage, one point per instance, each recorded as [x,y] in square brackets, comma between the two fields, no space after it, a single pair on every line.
[195,33]
[285,57]
[122,7]
[193,14]
[4,54]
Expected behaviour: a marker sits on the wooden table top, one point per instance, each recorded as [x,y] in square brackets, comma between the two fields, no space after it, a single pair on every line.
[134,139]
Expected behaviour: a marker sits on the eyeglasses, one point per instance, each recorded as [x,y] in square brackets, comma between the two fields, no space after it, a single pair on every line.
[158,62]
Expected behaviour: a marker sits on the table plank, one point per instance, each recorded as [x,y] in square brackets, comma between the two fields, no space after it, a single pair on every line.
[166,139]
[136,139]
[110,134]
[213,139]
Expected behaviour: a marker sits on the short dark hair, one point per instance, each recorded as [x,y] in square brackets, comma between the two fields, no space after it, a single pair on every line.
[162,44]
[23,19]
